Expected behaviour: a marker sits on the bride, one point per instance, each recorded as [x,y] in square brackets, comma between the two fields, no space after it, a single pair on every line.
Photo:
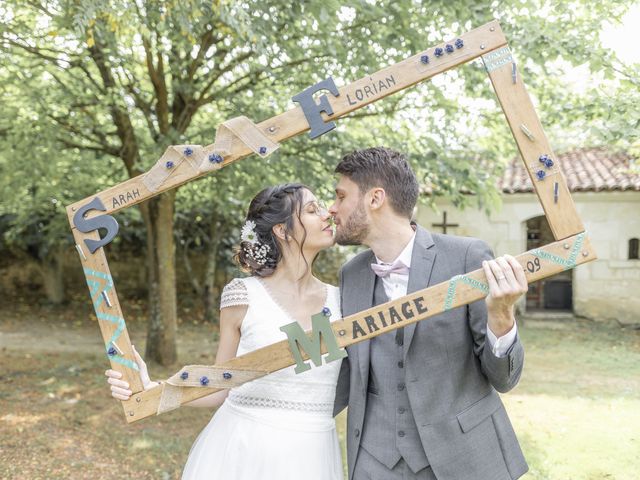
[280,426]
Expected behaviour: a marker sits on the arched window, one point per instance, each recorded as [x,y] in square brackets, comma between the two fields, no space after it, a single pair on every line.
[633,249]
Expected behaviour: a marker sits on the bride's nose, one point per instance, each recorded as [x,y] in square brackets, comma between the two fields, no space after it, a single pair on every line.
[324,213]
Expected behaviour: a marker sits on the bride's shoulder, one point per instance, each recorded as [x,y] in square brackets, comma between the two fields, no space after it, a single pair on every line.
[237,283]
[235,293]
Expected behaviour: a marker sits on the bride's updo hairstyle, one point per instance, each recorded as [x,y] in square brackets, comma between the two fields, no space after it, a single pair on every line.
[270,207]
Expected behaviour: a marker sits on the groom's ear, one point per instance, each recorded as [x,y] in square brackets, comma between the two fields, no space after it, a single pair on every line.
[377,196]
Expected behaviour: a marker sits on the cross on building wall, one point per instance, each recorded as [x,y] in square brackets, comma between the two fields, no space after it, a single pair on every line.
[444,223]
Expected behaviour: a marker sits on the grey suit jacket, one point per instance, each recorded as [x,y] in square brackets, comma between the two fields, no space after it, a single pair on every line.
[451,378]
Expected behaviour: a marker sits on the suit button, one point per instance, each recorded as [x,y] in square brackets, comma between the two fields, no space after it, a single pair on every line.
[401,433]
[400,364]
[400,387]
[357,432]
[401,410]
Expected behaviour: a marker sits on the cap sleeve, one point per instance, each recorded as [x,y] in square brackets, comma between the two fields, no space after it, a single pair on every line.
[234,293]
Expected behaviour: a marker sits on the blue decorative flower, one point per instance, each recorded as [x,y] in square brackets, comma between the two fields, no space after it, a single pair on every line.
[112,351]
[540,174]
[549,163]
[263,150]
[326,312]
[449,48]
[169,164]
[184,375]
[459,43]
[215,158]
[188,151]
[438,52]
[226,375]
[204,381]
[424,58]
[543,158]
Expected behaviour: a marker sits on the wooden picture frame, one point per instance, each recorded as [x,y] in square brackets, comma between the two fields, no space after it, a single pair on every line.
[239,138]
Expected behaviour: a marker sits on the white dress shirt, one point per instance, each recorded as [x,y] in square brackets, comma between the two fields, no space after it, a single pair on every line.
[395,286]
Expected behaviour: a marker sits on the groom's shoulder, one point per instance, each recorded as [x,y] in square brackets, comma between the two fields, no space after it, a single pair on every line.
[454,244]
[440,239]
[357,261]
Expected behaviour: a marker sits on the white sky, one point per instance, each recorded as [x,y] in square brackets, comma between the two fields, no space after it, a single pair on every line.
[624,38]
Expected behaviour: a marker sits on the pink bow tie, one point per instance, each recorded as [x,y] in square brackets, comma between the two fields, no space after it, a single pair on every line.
[382,270]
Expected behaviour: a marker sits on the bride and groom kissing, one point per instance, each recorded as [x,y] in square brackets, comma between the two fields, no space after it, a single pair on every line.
[422,400]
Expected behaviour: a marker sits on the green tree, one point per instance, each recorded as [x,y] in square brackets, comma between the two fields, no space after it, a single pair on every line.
[128,79]
[109,84]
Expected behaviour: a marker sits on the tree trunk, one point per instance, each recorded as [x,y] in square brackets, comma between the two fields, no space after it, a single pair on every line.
[220,279]
[163,318]
[209,291]
[193,278]
[51,269]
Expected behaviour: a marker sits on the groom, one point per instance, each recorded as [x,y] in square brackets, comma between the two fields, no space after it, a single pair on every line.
[422,399]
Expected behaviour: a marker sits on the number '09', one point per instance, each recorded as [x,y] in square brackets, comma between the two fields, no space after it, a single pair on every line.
[533,266]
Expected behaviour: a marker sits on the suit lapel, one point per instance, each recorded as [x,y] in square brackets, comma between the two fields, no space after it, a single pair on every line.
[360,293]
[422,260]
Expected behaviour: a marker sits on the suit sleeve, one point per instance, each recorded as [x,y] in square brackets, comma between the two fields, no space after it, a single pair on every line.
[342,388]
[504,372]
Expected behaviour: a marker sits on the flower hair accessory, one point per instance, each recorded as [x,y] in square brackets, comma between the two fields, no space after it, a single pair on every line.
[248,233]
[256,251]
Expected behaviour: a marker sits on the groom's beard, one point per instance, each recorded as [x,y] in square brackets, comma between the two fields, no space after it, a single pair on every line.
[355,229]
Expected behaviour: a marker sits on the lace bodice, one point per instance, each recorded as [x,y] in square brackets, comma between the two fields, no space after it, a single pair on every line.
[312,391]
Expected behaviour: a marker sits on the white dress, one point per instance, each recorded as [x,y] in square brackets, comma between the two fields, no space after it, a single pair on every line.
[280,426]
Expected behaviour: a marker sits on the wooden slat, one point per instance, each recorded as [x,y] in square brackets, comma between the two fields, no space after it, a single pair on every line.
[291,123]
[538,264]
[517,107]
[97,262]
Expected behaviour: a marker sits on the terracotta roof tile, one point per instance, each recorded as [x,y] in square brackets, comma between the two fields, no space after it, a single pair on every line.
[593,170]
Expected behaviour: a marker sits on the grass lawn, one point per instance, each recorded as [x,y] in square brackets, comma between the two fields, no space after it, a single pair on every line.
[577,407]
[576,410]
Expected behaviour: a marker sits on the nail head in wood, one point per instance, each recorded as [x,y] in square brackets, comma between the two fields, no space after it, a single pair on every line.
[526,131]
[81,252]
[115,345]
[106,299]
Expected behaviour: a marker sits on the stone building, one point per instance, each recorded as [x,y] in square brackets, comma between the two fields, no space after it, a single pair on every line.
[607,197]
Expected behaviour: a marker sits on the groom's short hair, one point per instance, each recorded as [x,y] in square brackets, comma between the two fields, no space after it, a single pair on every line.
[385,168]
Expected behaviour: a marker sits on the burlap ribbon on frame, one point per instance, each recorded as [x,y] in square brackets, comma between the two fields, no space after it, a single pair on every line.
[194,159]
[202,376]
